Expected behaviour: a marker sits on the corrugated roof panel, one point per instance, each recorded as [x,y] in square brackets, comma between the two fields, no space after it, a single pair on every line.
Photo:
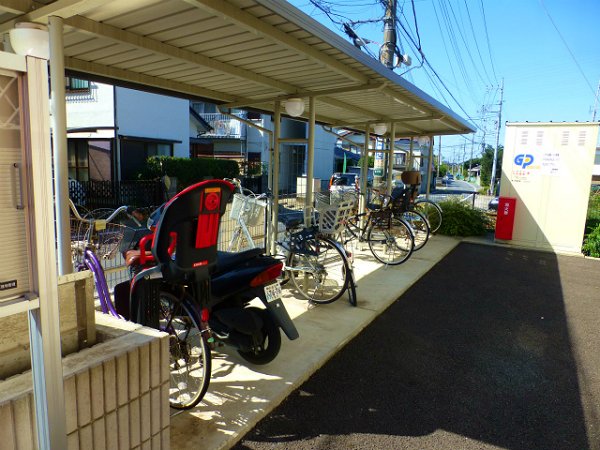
[225,37]
[121,54]
[123,11]
[243,50]
[169,28]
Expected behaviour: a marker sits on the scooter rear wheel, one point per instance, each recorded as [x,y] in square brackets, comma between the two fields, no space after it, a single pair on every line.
[189,352]
[271,340]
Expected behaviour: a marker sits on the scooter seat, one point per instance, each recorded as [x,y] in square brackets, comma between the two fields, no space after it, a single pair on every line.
[230,260]
[291,218]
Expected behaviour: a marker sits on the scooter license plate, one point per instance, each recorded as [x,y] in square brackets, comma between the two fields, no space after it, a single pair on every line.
[273,291]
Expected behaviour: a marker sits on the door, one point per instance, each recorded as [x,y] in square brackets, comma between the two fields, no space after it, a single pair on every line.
[14,264]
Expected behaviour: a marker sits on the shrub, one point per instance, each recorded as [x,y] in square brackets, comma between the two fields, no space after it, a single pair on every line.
[591,243]
[189,171]
[593,212]
[460,219]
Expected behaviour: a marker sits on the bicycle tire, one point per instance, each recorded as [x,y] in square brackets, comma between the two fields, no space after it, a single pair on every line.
[432,211]
[391,240]
[320,274]
[189,351]
[420,227]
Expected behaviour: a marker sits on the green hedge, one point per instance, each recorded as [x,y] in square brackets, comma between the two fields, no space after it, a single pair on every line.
[591,241]
[460,219]
[189,171]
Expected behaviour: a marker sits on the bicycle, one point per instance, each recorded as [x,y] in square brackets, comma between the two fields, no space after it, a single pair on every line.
[247,209]
[190,363]
[390,238]
[317,266]
[401,206]
[431,210]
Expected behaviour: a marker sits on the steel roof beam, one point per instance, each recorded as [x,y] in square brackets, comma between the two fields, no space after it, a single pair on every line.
[16,6]
[139,78]
[326,92]
[59,8]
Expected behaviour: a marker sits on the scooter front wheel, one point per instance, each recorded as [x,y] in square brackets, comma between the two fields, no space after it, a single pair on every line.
[264,352]
[189,352]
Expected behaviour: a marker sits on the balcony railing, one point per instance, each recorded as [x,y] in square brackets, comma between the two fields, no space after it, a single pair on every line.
[224,126]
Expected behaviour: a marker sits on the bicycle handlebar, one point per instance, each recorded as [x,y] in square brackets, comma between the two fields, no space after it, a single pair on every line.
[114,214]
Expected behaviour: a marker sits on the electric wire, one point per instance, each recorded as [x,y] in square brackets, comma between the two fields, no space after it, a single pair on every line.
[487,38]
[567,46]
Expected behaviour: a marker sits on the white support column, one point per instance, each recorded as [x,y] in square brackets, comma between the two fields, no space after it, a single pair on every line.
[310,162]
[275,178]
[390,166]
[59,141]
[429,167]
[45,322]
[364,171]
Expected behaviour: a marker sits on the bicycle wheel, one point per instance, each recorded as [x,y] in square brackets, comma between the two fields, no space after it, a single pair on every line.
[419,226]
[432,211]
[320,272]
[391,240]
[190,360]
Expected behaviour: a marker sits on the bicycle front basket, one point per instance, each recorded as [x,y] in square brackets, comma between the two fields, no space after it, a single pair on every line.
[248,209]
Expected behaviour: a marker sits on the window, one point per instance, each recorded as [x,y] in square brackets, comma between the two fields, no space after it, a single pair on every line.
[89,159]
[76,85]
[78,159]
[134,154]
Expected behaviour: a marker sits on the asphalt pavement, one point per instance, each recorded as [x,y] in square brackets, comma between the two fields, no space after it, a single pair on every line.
[494,348]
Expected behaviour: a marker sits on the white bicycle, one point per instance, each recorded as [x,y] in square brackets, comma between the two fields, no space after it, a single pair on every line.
[248,210]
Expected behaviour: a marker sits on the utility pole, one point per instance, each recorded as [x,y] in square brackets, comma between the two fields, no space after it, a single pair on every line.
[439,156]
[471,158]
[462,164]
[388,49]
[493,175]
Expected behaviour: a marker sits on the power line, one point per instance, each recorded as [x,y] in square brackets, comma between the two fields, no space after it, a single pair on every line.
[567,46]
[487,38]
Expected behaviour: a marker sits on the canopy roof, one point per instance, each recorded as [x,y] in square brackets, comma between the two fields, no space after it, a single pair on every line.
[235,53]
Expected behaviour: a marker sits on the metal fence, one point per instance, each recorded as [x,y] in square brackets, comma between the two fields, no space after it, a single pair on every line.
[474,199]
[112,194]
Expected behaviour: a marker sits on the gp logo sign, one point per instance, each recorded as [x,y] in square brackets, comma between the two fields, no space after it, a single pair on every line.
[523,160]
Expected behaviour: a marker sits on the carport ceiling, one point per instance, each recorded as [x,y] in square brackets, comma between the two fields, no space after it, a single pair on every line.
[236,53]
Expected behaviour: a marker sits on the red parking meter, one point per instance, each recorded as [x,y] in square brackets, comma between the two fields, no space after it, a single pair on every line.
[506,218]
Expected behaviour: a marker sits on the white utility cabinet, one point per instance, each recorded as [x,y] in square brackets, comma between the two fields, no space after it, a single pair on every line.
[547,167]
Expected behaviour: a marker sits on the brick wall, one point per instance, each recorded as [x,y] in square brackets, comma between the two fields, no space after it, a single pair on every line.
[116,395]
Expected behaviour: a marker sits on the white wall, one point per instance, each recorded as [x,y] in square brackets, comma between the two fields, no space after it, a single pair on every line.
[93,110]
[143,114]
[324,149]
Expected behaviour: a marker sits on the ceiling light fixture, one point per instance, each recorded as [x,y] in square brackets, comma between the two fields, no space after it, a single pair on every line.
[294,106]
[380,128]
[30,39]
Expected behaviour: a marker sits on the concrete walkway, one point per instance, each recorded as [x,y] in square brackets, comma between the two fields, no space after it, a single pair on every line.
[240,396]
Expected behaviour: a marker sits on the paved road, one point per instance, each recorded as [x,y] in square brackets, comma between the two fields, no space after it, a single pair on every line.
[493,348]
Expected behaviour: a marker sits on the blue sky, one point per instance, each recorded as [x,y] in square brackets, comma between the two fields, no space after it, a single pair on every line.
[547,52]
